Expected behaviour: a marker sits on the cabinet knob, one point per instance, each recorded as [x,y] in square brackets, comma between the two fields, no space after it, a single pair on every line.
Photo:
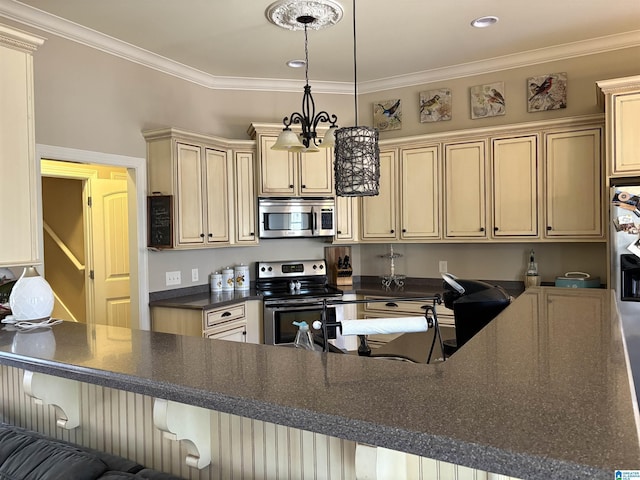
[482,229]
[549,228]
[495,229]
[393,231]
[210,235]
[339,232]
[290,186]
[404,230]
[202,235]
[252,234]
[303,186]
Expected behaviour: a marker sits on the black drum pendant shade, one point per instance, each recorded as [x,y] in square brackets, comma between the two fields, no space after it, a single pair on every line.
[357,162]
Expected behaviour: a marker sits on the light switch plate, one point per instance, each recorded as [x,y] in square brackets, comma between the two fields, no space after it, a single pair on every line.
[194,275]
[173,278]
[443,266]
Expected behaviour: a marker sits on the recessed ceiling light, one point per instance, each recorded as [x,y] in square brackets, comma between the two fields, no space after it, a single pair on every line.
[296,63]
[483,22]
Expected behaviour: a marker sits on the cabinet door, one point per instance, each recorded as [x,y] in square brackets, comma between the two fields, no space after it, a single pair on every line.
[420,193]
[245,199]
[379,212]
[626,143]
[464,174]
[217,175]
[316,172]
[233,332]
[346,219]
[19,221]
[515,186]
[189,205]
[278,170]
[574,184]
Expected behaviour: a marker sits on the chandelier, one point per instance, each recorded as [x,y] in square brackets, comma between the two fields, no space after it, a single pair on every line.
[294,15]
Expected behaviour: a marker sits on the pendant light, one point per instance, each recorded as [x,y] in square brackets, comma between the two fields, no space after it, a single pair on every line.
[308,14]
[357,154]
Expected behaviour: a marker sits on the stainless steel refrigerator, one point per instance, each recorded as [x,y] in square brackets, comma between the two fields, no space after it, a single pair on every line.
[624,250]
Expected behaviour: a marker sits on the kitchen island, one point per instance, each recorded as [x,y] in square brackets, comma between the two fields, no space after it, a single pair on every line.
[543,392]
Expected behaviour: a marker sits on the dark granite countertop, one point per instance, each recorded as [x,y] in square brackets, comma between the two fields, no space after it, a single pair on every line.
[543,392]
[201,298]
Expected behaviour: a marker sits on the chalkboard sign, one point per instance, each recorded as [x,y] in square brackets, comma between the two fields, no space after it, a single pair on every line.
[160,221]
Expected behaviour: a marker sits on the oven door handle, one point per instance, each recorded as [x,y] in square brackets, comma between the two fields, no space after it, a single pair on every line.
[295,306]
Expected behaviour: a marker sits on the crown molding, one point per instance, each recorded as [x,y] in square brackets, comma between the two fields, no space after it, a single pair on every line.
[35,18]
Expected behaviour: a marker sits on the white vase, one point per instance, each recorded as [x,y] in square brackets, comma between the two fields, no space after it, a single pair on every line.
[31,297]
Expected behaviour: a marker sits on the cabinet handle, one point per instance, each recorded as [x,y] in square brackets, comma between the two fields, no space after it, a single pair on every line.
[549,228]
[495,229]
[339,232]
[391,304]
[226,314]
[210,235]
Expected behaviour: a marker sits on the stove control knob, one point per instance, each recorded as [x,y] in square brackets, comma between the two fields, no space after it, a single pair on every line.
[315,267]
[321,267]
[262,269]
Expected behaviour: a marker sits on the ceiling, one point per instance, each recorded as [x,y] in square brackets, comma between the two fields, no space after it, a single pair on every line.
[222,43]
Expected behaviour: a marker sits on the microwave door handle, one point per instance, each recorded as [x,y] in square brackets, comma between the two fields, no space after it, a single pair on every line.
[314,220]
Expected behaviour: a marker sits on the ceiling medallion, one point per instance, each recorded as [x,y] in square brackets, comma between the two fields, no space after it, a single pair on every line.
[285,13]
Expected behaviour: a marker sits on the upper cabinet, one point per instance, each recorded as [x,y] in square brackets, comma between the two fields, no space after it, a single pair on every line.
[287,174]
[573,183]
[19,219]
[622,108]
[465,189]
[211,184]
[514,180]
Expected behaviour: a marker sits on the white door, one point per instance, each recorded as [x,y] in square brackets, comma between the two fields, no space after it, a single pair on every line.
[110,253]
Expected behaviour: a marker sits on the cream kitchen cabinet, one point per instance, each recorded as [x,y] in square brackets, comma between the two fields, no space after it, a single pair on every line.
[286,174]
[622,110]
[378,213]
[573,183]
[211,187]
[19,219]
[347,216]
[240,322]
[514,187]
[465,191]
[408,205]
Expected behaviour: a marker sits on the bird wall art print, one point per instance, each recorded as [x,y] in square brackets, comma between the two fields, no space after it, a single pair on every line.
[547,92]
[488,100]
[435,105]
[387,115]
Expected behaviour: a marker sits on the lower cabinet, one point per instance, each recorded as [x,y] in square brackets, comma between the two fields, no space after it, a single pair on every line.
[403,308]
[241,322]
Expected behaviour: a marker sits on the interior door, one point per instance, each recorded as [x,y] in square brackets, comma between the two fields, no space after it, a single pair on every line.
[110,252]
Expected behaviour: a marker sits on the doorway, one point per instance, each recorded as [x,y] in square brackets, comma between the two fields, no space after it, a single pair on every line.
[75,164]
[86,241]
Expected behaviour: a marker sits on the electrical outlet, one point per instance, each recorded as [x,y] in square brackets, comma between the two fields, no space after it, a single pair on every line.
[194,275]
[443,266]
[174,278]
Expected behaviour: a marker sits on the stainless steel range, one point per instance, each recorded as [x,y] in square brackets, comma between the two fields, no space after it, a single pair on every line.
[294,291]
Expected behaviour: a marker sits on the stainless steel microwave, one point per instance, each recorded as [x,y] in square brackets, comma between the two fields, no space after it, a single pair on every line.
[296,217]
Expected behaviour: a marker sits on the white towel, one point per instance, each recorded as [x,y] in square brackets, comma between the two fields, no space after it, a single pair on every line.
[384,325]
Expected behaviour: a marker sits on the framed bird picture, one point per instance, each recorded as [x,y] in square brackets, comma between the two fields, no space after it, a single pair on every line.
[488,100]
[435,105]
[387,115]
[547,92]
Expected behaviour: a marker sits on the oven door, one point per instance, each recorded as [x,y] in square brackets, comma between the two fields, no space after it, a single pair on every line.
[279,317]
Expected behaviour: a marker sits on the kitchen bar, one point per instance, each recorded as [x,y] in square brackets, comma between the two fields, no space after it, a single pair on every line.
[543,392]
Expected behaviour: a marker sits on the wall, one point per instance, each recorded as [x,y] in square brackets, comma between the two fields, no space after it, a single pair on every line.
[89,100]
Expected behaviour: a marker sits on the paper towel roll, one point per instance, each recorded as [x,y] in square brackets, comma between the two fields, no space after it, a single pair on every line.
[384,325]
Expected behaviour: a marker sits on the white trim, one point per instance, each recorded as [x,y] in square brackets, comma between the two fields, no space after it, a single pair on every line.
[72,31]
[138,165]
